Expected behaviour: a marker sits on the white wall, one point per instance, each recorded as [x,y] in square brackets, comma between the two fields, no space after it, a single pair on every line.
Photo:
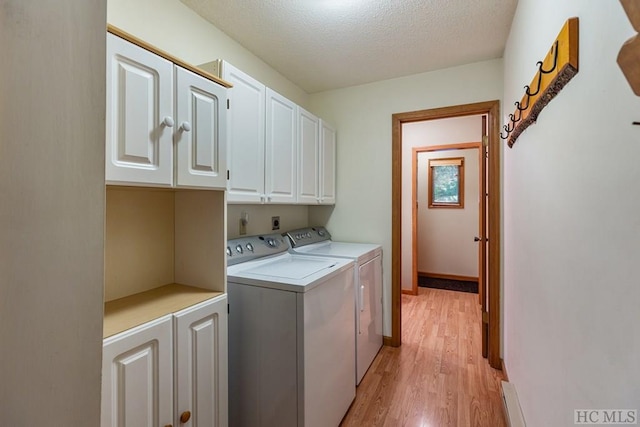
[445,236]
[52,112]
[173,27]
[422,134]
[362,115]
[572,228]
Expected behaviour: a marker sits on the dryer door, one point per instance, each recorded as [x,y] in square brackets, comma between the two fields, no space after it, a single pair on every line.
[368,315]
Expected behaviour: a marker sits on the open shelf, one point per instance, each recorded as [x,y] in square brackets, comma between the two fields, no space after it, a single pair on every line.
[134,310]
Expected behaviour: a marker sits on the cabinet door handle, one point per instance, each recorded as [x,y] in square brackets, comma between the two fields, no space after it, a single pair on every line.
[186,416]
[185,126]
[168,121]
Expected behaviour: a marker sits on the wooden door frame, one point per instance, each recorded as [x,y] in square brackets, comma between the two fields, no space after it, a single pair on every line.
[492,110]
[414,202]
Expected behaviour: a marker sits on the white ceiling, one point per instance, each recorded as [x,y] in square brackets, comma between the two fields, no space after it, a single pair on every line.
[328,44]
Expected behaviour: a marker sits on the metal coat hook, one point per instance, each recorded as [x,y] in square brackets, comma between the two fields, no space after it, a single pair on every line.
[528,94]
[552,73]
[555,60]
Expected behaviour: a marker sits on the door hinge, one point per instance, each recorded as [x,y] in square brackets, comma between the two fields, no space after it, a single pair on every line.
[228,310]
[485,141]
[228,103]
[485,317]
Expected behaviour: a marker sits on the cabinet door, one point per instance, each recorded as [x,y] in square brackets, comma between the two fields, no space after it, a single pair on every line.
[308,144]
[139,116]
[327,164]
[245,122]
[200,134]
[201,364]
[137,376]
[281,149]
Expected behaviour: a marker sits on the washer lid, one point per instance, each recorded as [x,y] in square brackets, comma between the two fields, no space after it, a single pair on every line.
[292,268]
[298,273]
[357,251]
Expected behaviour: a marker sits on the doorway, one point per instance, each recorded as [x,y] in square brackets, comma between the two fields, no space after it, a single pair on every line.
[491,143]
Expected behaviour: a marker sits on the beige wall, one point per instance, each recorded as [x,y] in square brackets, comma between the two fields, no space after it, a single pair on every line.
[291,217]
[52,114]
[571,222]
[362,115]
[173,27]
[445,236]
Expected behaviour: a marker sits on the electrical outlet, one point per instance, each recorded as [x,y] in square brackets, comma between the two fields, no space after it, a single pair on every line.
[243,227]
[275,223]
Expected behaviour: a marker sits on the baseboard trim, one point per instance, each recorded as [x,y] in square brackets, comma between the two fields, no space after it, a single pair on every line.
[409,292]
[388,341]
[504,370]
[512,409]
[447,276]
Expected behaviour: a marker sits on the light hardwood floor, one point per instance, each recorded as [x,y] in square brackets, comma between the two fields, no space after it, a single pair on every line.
[438,376]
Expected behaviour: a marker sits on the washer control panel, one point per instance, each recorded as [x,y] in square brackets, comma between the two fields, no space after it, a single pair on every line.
[306,236]
[252,247]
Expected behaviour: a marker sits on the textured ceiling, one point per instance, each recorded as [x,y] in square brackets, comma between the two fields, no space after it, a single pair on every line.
[328,44]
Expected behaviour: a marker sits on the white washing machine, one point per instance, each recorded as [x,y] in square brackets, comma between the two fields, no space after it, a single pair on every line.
[291,345]
[316,241]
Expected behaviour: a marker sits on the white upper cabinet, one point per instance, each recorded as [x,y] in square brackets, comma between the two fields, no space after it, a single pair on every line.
[281,149]
[246,136]
[200,135]
[139,131]
[277,151]
[160,119]
[308,146]
[317,160]
[327,171]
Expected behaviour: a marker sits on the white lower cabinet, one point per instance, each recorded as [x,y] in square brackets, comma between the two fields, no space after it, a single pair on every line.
[171,371]
[201,364]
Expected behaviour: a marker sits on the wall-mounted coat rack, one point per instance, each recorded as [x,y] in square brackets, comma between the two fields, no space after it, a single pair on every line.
[629,55]
[554,72]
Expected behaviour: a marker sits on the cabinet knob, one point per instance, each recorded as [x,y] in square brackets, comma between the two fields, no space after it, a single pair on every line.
[169,425]
[186,416]
[168,122]
[185,126]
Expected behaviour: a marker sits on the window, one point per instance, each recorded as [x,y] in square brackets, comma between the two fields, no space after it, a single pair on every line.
[446,183]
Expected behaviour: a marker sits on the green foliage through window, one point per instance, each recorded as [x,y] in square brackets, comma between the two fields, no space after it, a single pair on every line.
[446,183]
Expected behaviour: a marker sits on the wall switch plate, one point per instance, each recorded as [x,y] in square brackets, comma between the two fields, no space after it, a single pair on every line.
[275,223]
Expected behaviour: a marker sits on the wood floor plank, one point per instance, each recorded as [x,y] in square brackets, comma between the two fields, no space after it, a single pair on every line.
[438,377]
